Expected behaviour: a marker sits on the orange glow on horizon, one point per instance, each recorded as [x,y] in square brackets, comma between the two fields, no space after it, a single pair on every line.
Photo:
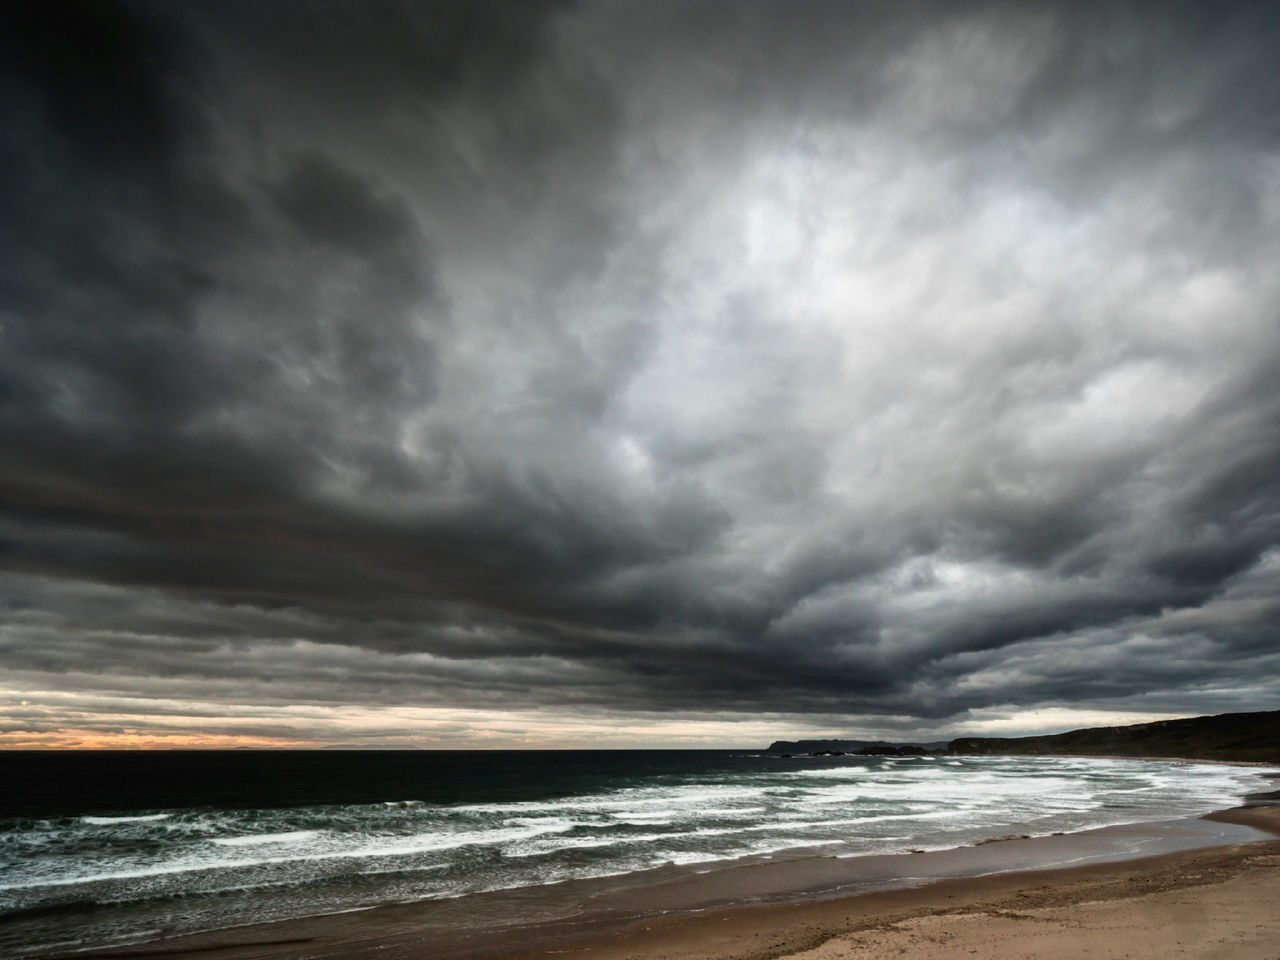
[94,740]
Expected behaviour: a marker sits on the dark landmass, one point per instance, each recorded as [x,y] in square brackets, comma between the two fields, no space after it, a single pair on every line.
[865,748]
[1239,737]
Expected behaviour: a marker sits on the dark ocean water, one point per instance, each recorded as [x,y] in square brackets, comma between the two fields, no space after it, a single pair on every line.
[64,783]
[102,849]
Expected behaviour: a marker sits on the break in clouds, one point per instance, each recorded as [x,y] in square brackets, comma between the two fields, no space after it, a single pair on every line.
[870,366]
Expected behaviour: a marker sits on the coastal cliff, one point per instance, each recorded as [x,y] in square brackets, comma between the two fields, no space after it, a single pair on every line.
[1228,736]
[1239,737]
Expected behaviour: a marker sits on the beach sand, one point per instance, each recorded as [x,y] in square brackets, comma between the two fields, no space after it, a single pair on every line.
[1219,901]
[1215,902]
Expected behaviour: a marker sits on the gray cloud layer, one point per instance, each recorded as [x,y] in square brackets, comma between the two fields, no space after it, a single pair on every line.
[884,359]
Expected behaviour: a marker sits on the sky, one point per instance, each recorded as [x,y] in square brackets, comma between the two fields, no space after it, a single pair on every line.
[629,374]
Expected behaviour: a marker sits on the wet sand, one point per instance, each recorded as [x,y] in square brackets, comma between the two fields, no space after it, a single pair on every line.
[1202,888]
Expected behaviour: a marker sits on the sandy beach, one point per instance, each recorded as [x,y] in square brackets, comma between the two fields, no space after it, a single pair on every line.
[1211,901]
[1217,902]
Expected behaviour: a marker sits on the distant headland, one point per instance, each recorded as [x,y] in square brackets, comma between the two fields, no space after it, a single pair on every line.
[1237,737]
[865,748]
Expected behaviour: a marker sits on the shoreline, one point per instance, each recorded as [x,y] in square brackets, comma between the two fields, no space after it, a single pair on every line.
[1214,901]
[773,908]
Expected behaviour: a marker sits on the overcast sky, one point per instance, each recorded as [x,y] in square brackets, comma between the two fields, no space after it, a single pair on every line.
[629,373]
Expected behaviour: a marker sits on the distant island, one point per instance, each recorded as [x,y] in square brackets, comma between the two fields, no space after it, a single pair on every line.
[1239,737]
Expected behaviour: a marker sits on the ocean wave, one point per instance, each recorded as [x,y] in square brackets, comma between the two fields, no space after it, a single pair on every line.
[139,818]
[290,836]
[329,857]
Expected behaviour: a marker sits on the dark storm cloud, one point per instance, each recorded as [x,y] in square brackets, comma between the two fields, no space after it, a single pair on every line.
[876,360]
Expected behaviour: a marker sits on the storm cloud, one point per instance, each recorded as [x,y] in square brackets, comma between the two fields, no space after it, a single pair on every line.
[851,367]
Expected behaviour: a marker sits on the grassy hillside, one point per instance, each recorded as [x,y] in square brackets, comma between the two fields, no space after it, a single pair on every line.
[1229,736]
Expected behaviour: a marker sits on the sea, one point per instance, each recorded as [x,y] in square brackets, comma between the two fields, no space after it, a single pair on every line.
[106,849]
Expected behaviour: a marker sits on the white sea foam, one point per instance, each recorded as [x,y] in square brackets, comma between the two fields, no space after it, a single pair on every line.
[109,821]
[289,836]
[767,808]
